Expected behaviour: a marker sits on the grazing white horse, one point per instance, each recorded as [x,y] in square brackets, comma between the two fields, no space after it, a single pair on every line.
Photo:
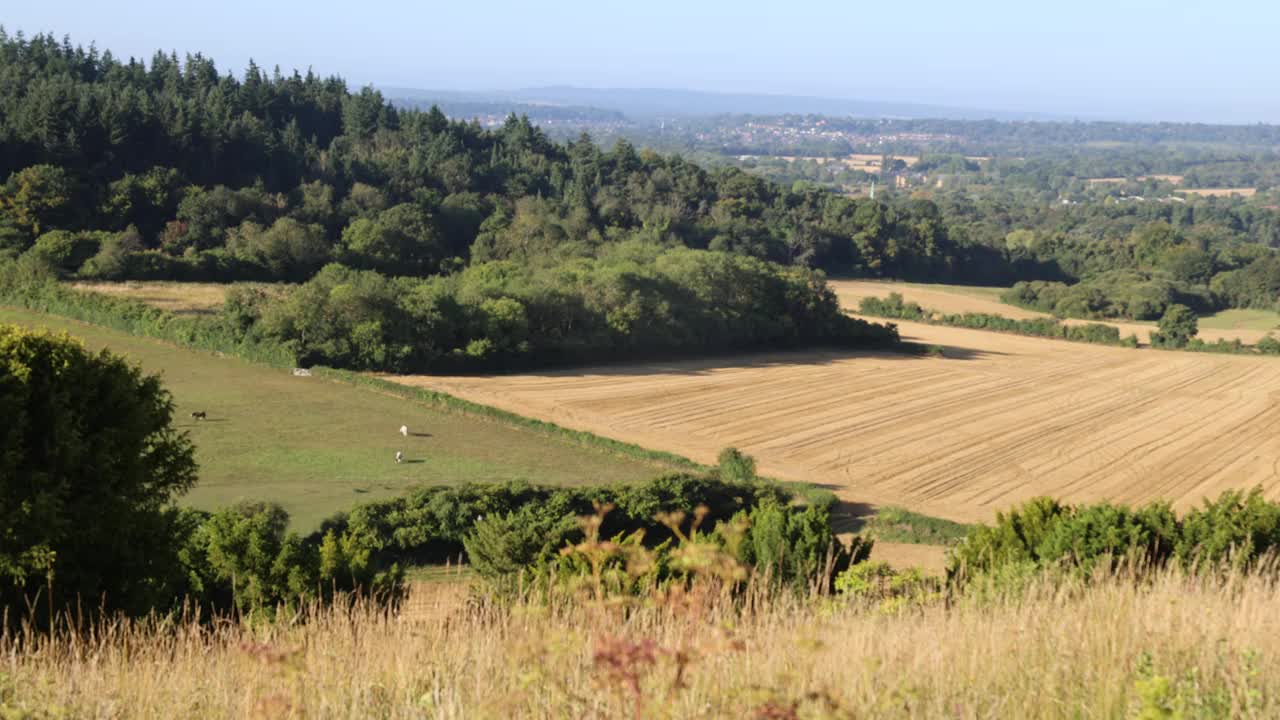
[399,456]
[404,430]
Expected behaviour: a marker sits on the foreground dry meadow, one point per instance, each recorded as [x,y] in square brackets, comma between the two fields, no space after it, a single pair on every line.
[1117,650]
[1001,419]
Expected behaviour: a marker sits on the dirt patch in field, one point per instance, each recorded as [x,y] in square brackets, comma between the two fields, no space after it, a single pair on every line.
[930,558]
[1015,418]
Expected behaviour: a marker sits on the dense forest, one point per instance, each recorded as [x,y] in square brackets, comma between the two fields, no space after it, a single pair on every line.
[274,175]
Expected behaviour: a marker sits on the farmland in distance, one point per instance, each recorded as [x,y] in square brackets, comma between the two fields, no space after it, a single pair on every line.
[1248,326]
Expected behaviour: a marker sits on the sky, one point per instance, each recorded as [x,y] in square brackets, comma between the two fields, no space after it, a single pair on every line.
[1211,61]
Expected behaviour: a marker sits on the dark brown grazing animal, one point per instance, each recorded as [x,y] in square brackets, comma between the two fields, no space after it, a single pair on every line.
[199,415]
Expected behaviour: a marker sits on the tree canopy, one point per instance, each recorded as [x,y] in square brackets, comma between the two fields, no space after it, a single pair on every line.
[89,461]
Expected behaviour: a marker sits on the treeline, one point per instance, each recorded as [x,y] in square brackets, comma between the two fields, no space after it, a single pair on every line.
[632,301]
[1139,275]
[635,302]
[1117,294]
[894,306]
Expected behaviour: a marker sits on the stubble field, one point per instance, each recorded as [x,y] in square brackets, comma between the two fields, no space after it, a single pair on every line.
[1001,419]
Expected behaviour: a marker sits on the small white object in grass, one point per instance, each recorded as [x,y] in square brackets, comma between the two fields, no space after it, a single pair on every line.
[399,456]
[404,430]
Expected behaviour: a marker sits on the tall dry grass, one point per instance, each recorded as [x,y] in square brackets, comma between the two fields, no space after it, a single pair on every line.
[1121,648]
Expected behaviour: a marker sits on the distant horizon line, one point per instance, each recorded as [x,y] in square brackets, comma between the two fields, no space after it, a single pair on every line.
[935,110]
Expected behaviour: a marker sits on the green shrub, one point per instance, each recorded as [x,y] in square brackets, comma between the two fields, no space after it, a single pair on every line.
[503,545]
[1178,326]
[890,590]
[1240,529]
[795,546]
[893,306]
[735,466]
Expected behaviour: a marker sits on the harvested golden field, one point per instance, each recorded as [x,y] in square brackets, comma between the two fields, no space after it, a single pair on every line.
[1221,192]
[1003,418]
[963,299]
[1171,179]
[946,298]
[930,558]
[181,298]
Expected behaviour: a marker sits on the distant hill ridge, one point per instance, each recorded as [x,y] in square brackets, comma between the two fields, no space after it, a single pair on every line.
[647,103]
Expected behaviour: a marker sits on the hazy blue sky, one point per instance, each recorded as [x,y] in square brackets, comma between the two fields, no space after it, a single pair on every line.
[1143,59]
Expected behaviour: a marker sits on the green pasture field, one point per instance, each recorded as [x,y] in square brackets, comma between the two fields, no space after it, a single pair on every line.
[982,292]
[1241,319]
[317,446]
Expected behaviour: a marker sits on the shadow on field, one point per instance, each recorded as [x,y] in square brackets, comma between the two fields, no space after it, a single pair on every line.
[955,352]
[413,434]
[778,359]
[414,462]
[851,517]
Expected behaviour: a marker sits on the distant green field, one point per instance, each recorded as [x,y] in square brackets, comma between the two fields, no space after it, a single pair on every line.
[317,446]
[983,292]
[1241,320]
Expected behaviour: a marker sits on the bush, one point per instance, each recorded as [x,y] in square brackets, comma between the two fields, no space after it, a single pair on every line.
[499,546]
[243,557]
[891,590]
[795,546]
[892,306]
[89,458]
[1177,326]
[735,466]
[64,252]
[1238,528]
